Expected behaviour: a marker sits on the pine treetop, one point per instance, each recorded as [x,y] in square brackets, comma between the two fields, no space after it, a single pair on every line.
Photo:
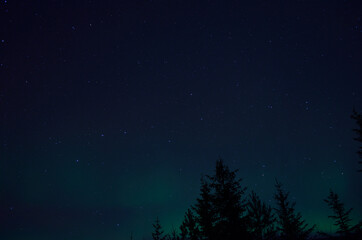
[290,223]
[158,232]
[341,215]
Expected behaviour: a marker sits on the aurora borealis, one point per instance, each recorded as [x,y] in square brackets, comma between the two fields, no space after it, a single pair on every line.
[111,111]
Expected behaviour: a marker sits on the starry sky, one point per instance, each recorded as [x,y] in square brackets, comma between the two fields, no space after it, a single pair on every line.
[111,111]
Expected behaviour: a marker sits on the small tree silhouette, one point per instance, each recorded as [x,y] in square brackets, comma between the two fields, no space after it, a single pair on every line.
[158,232]
[184,232]
[228,204]
[189,228]
[173,234]
[341,215]
[204,211]
[291,225]
[358,118]
[261,218]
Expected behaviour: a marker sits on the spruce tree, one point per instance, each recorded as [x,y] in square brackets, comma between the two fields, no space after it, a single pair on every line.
[158,232]
[204,211]
[173,234]
[358,118]
[260,218]
[341,215]
[189,227]
[183,232]
[290,223]
[228,204]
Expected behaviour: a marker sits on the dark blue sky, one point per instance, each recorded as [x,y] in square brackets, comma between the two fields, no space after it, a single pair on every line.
[111,111]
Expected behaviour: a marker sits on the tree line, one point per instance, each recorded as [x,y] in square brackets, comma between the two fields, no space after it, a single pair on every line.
[223,212]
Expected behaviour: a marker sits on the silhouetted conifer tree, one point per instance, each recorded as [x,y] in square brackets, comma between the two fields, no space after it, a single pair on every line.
[358,117]
[189,228]
[228,204]
[157,232]
[261,219]
[291,225]
[173,235]
[205,212]
[341,215]
[183,232]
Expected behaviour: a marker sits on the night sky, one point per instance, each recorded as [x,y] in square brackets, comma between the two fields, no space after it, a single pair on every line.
[111,111]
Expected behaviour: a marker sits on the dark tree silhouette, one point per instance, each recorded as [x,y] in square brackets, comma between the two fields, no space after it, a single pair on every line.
[157,232]
[358,118]
[261,219]
[222,213]
[341,215]
[228,204]
[205,212]
[173,234]
[189,228]
[290,224]
[183,232]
